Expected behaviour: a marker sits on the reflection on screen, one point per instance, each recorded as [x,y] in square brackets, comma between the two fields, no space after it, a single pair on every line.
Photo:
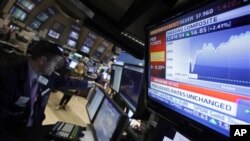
[116,73]
[106,121]
[131,81]
[94,103]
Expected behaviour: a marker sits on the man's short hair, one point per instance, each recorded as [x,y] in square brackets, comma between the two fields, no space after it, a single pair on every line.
[45,48]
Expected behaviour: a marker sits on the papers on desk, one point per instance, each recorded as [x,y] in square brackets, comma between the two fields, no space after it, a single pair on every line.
[177,137]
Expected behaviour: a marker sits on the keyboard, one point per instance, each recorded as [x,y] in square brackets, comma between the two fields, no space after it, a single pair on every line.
[63,131]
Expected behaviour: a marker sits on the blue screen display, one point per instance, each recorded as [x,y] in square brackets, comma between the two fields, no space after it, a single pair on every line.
[199,65]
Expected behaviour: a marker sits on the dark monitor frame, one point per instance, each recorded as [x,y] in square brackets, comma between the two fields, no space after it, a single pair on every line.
[122,122]
[93,94]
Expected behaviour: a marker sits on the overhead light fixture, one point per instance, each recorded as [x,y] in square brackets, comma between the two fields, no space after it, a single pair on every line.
[133,38]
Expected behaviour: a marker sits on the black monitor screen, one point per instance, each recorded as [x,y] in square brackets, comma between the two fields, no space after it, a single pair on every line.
[109,121]
[131,84]
[199,66]
[94,102]
[116,73]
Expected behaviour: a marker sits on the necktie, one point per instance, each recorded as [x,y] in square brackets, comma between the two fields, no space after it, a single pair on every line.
[33,97]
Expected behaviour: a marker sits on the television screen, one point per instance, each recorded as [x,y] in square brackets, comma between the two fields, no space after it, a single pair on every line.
[116,73]
[109,121]
[71,43]
[53,34]
[131,84]
[74,35]
[198,66]
[18,13]
[94,103]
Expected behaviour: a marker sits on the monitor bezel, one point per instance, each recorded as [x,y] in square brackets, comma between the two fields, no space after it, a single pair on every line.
[112,79]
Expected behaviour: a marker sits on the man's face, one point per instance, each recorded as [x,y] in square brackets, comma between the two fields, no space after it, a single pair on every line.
[50,65]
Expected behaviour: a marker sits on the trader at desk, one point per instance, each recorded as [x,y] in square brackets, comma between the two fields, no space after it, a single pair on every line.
[25,88]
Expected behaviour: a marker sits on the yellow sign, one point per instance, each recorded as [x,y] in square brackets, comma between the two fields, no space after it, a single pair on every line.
[157,56]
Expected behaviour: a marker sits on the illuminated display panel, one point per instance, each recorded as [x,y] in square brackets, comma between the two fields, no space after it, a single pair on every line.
[53,34]
[18,13]
[198,65]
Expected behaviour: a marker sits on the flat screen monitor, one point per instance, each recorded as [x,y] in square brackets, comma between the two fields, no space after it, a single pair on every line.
[131,84]
[198,66]
[18,13]
[71,43]
[116,73]
[109,122]
[72,64]
[94,103]
[53,34]
[85,49]
[89,42]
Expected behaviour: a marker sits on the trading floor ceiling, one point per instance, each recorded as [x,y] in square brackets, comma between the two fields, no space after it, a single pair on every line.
[111,17]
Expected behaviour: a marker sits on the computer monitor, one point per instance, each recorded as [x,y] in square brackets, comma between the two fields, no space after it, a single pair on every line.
[131,85]
[85,49]
[43,16]
[71,43]
[94,103]
[52,33]
[18,13]
[110,121]
[198,67]
[73,64]
[116,73]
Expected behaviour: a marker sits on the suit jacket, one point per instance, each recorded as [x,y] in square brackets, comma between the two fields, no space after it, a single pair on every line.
[15,86]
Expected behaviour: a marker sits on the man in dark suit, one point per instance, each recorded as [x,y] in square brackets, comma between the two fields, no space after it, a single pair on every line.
[25,88]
